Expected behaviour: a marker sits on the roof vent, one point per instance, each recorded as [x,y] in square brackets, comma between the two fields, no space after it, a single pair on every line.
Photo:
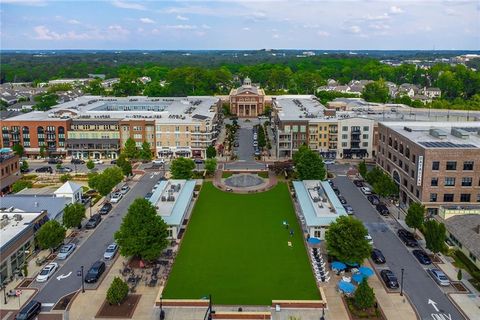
[460,133]
[438,133]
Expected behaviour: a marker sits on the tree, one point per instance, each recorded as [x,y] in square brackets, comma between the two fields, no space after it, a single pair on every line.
[385,186]
[24,166]
[210,165]
[299,153]
[20,185]
[346,240]
[73,214]
[50,235]
[143,233]
[211,152]
[145,152]
[130,150]
[105,181]
[364,297]
[181,168]
[415,215]
[459,275]
[376,91]
[362,169]
[41,153]
[65,177]
[90,165]
[124,164]
[435,235]
[117,292]
[310,166]
[18,149]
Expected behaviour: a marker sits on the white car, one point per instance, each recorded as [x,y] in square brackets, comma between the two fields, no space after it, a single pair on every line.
[97,161]
[47,272]
[66,250]
[110,252]
[124,189]
[116,197]
[368,237]
[329,161]
[366,190]
[158,161]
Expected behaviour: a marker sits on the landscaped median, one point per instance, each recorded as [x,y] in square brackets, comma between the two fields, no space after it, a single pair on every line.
[238,249]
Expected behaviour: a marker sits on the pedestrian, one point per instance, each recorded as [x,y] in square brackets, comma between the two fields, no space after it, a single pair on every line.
[291,232]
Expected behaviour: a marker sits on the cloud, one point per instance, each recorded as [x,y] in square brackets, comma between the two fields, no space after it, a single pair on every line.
[182,18]
[379,26]
[73,21]
[43,33]
[322,33]
[34,3]
[353,29]
[384,16]
[118,30]
[246,29]
[146,20]
[128,5]
[396,10]
[182,27]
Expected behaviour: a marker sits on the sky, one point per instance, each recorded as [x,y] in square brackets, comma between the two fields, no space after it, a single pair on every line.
[241,24]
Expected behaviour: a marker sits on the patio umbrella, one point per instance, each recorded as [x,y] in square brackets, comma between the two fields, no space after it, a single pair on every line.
[366,271]
[358,277]
[314,242]
[346,287]
[338,265]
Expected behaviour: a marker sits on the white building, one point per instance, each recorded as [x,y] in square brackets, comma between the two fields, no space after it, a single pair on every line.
[69,190]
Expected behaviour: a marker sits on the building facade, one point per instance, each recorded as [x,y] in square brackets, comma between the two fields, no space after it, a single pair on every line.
[435,163]
[93,138]
[10,169]
[248,101]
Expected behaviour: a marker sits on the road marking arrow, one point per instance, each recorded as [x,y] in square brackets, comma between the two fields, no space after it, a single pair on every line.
[434,304]
[63,276]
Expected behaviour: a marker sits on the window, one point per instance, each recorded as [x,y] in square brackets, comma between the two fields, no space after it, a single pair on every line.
[451,165]
[364,144]
[433,197]
[467,181]
[390,142]
[344,136]
[468,165]
[434,182]
[436,165]
[448,197]
[465,197]
[344,128]
[407,152]
[344,144]
[478,197]
[365,136]
[389,155]
[366,128]
[449,181]
[414,158]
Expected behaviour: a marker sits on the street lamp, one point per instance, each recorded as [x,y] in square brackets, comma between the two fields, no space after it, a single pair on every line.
[162,313]
[4,287]
[401,283]
[80,274]
[323,314]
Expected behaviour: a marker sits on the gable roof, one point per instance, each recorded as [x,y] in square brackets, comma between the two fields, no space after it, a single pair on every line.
[68,187]
[466,229]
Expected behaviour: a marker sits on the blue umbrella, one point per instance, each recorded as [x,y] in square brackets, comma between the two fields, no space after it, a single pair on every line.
[346,287]
[358,277]
[366,271]
[314,241]
[338,265]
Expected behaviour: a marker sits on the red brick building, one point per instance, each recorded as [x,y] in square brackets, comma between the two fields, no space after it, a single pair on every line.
[248,101]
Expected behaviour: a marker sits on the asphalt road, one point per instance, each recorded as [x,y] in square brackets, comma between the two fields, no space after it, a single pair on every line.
[93,248]
[81,168]
[245,142]
[417,283]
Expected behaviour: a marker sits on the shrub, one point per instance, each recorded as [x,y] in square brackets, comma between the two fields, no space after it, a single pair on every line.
[66,177]
[117,292]
[20,185]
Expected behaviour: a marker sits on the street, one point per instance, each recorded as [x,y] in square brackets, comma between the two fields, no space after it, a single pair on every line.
[421,289]
[79,168]
[93,248]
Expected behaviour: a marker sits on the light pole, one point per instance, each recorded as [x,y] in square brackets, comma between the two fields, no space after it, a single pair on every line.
[162,313]
[4,287]
[80,274]
[401,283]
[323,314]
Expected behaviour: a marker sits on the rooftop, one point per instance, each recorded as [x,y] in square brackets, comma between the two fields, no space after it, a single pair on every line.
[466,228]
[318,201]
[172,199]
[298,107]
[35,203]
[13,223]
[445,135]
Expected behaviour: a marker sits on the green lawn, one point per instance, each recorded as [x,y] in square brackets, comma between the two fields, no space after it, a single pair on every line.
[235,248]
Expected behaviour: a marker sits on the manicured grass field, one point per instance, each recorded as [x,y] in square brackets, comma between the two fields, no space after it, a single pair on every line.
[236,248]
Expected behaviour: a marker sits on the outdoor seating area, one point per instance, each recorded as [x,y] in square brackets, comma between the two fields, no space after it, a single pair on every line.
[350,274]
[319,266]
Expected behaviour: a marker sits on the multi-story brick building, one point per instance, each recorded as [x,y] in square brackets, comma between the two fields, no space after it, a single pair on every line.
[10,169]
[248,101]
[435,163]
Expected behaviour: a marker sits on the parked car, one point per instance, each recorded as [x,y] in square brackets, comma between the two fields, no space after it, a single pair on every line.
[44,169]
[439,276]
[124,189]
[148,195]
[422,257]
[114,161]
[77,161]
[110,252]
[95,272]
[54,161]
[330,182]
[369,239]
[66,251]
[358,183]
[366,190]
[198,160]
[348,208]
[382,209]
[116,197]
[329,161]
[47,272]
[336,190]
[158,161]
[407,238]
[105,209]
[93,222]
[377,256]
[389,279]
[24,170]
[64,170]
[97,161]
[30,311]
[373,199]
[342,200]
[257,152]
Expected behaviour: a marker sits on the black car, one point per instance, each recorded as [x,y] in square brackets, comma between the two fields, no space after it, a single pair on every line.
[148,195]
[336,190]
[95,272]
[378,257]
[407,238]
[358,183]
[382,209]
[77,161]
[30,311]
[422,257]
[373,199]
[198,161]
[93,221]
[342,200]
[113,162]
[54,161]
[105,208]
[389,278]
[44,169]
[24,170]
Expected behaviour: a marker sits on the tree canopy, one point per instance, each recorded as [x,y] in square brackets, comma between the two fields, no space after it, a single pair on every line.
[415,215]
[73,214]
[117,292]
[105,181]
[18,149]
[211,152]
[376,91]
[309,165]
[210,165]
[435,234]
[50,235]
[364,296]
[130,150]
[143,233]
[145,153]
[19,185]
[182,168]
